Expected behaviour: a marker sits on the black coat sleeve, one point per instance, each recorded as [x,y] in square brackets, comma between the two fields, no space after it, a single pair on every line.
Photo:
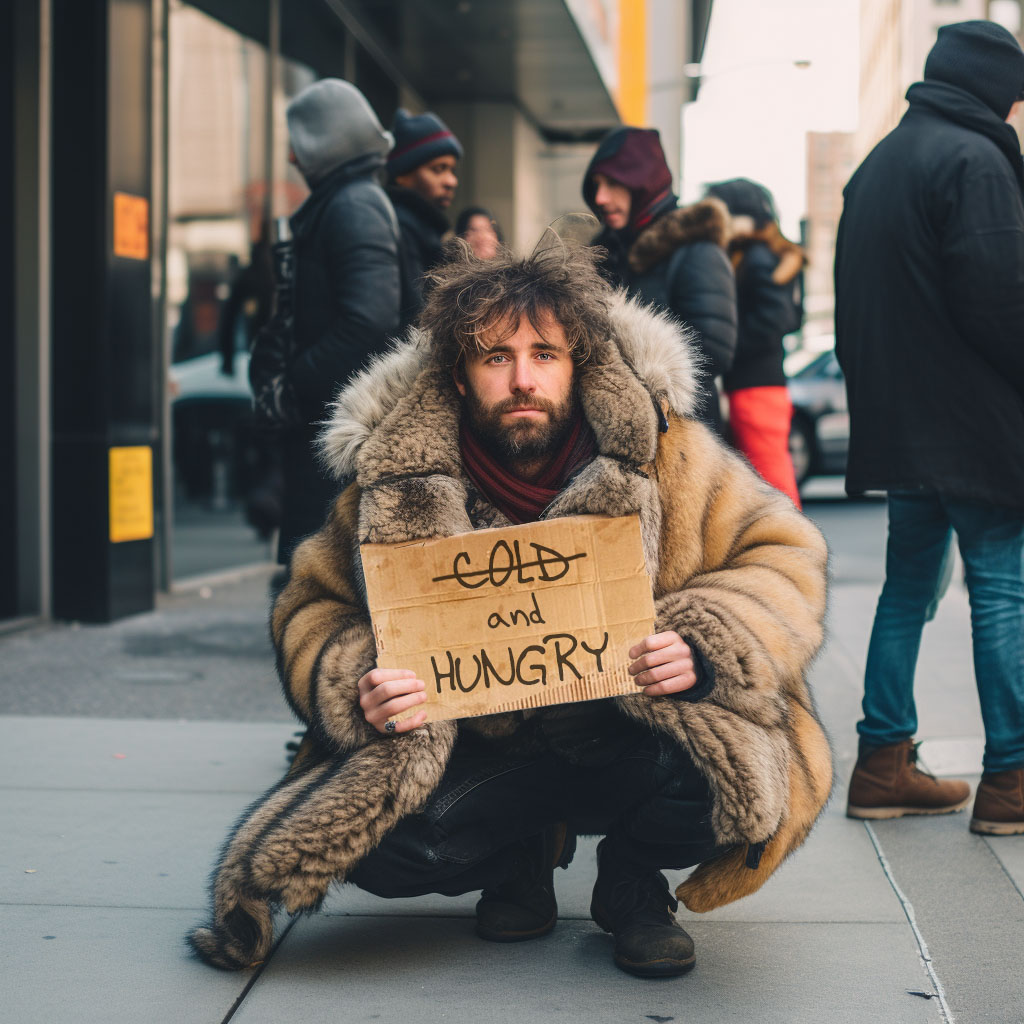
[702,292]
[982,259]
[360,251]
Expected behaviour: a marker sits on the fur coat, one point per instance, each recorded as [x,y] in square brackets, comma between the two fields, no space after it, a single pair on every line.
[733,566]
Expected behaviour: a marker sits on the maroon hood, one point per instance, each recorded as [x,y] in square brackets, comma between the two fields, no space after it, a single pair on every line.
[633,157]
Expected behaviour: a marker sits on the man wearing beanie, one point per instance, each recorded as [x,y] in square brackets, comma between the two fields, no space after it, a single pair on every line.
[347,286]
[670,257]
[930,335]
[421,185]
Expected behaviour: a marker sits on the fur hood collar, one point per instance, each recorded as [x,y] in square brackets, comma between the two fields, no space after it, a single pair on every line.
[706,221]
[645,368]
[791,257]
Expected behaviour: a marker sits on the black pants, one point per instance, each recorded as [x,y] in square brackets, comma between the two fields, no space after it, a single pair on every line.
[309,491]
[650,800]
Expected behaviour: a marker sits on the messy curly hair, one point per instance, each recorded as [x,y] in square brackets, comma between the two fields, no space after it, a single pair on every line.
[471,298]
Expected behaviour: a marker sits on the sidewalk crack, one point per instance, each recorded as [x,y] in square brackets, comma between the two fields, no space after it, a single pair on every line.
[258,972]
[908,910]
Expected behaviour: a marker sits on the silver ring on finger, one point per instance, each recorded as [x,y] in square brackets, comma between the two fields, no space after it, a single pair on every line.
[390,725]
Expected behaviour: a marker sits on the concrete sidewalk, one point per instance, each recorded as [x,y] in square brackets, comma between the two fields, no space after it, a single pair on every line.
[128,750]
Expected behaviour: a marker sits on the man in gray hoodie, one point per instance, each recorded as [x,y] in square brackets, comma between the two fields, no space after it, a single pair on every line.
[346,292]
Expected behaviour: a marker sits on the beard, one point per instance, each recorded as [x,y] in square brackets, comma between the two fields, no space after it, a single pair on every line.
[522,439]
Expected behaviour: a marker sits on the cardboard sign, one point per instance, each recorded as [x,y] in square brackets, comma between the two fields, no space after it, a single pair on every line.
[513,618]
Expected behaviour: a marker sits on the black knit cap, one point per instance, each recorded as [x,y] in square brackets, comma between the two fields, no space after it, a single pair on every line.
[746,198]
[419,138]
[981,58]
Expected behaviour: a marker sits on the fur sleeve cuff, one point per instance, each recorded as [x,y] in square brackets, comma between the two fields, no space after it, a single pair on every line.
[705,676]
[743,676]
[336,715]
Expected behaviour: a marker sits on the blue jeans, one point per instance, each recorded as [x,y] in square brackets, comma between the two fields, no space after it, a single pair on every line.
[991,542]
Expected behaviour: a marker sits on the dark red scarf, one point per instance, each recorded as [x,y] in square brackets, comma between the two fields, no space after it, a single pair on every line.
[521,501]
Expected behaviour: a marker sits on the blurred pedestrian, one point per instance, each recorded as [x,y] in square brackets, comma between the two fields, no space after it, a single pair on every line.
[249,304]
[421,184]
[246,311]
[477,227]
[669,256]
[929,322]
[346,292]
[767,266]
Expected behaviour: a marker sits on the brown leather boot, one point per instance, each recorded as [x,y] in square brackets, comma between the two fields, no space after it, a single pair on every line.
[888,784]
[999,804]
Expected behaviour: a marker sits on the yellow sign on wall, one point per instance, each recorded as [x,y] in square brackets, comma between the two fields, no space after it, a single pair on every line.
[131,493]
[131,226]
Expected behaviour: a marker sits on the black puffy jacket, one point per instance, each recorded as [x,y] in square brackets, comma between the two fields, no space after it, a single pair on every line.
[346,305]
[678,263]
[930,304]
[767,311]
[347,292]
[422,227]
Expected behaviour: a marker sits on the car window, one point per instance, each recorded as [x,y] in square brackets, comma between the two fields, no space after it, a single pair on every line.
[815,369]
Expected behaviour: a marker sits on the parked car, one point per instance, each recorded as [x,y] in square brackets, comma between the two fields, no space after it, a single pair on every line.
[819,437]
[215,450]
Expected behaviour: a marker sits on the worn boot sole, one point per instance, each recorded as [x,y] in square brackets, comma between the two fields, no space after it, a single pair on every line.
[667,968]
[997,828]
[662,967]
[494,935]
[884,813]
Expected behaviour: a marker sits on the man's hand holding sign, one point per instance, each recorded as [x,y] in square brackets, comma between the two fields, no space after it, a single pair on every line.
[663,665]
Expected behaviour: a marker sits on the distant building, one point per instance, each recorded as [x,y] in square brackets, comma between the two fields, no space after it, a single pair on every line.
[895,37]
[830,162]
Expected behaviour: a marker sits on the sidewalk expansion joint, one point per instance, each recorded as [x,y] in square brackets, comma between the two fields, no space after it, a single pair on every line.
[908,910]
[1002,867]
[258,972]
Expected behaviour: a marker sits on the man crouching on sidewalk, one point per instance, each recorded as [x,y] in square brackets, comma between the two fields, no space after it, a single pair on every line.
[532,391]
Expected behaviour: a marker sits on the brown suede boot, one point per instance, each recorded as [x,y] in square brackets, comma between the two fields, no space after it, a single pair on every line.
[999,804]
[888,784]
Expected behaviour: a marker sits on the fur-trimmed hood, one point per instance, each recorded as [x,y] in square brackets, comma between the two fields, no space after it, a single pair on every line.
[648,346]
[706,221]
[792,257]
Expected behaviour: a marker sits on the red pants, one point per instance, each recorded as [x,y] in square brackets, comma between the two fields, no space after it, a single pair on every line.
[759,419]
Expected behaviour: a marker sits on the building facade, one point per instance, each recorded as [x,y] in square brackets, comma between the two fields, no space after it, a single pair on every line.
[895,37]
[144,164]
[830,162]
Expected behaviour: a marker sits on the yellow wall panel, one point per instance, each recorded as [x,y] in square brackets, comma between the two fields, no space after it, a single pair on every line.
[632,97]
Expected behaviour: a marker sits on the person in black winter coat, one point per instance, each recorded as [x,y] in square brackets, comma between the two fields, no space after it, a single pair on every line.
[346,293]
[670,256]
[930,336]
[421,184]
[767,265]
